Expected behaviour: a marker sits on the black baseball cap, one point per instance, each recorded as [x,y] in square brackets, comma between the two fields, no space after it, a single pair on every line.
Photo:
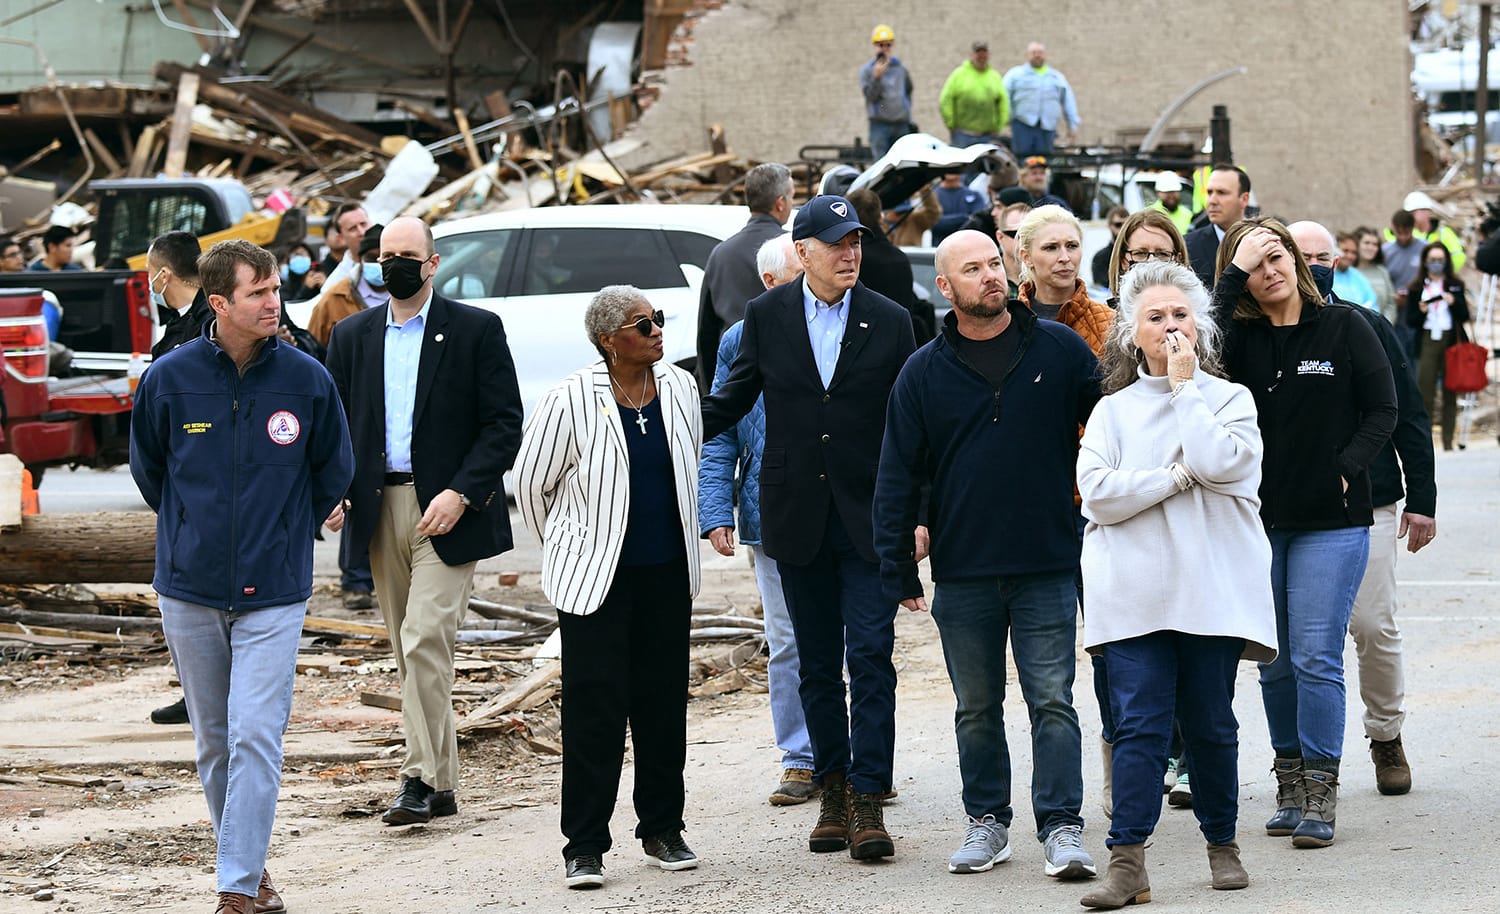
[826,217]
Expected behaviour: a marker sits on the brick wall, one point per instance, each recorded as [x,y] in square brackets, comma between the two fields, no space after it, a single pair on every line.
[1320,120]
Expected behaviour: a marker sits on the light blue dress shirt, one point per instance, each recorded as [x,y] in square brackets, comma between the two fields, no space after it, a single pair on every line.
[403,351]
[825,330]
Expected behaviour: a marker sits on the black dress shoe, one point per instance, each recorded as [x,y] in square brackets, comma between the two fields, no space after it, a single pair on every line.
[174,713]
[413,804]
[443,804]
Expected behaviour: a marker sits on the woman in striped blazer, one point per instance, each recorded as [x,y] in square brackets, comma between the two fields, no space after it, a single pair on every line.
[607,481]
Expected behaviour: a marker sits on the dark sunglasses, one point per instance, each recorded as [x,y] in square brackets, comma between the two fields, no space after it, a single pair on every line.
[1009,233]
[643,325]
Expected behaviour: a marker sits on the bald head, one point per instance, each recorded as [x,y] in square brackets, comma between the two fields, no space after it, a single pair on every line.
[1319,246]
[960,247]
[777,261]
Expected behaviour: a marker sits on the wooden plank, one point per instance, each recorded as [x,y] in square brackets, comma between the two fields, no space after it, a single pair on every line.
[508,700]
[470,146]
[106,157]
[182,125]
[86,622]
[380,700]
[323,626]
[144,152]
[96,637]
[72,780]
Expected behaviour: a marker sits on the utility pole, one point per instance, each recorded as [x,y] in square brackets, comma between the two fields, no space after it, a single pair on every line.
[1482,92]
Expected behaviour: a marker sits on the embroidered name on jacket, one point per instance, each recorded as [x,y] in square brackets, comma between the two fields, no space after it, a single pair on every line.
[1315,366]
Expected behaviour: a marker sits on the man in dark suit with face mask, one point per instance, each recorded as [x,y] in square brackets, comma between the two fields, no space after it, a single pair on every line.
[435,415]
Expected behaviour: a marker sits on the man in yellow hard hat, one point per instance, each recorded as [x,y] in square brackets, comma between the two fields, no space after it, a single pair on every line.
[887,89]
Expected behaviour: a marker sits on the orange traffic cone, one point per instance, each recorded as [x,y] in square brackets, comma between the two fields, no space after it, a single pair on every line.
[31,503]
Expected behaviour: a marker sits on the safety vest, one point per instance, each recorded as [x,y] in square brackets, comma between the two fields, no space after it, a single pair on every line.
[1443,235]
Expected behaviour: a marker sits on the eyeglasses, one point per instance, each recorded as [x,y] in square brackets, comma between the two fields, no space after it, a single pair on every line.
[1147,256]
[1325,258]
[1116,226]
[643,325]
[1009,233]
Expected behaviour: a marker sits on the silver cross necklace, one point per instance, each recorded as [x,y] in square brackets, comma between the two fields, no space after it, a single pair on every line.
[640,417]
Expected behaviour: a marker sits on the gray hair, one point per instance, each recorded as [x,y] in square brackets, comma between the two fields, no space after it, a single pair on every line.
[764,183]
[607,310]
[1033,223]
[772,258]
[1121,356]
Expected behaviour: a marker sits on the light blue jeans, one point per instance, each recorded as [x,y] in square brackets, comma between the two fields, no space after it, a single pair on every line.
[1315,575]
[237,669]
[782,671]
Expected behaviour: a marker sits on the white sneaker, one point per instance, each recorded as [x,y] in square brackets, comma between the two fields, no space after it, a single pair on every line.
[986,843]
[1066,858]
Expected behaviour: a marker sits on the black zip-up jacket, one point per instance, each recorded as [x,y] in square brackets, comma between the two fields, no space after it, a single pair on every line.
[1412,439]
[1324,392]
[1000,460]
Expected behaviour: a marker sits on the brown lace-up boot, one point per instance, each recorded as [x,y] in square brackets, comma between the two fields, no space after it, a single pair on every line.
[832,831]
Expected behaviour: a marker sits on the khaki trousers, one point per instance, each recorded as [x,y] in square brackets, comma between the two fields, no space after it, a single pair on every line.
[422,600]
[1377,639]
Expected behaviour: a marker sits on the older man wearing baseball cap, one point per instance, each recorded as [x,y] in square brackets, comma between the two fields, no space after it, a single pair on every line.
[825,352]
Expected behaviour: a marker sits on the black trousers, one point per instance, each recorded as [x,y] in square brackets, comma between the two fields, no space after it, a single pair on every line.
[626,662]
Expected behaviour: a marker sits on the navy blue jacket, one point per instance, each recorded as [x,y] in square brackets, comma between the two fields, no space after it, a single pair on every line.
[239,470]
[1000,461]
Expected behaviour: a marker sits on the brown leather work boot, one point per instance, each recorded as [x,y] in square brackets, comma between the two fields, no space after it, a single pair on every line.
[267,901]
[832,831]
[868,839]
[235,903]
[1392,772]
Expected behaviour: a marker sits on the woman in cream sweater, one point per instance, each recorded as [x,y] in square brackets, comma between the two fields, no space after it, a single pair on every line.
[1175,562]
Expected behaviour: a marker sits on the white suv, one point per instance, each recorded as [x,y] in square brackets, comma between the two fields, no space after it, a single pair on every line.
[538,268]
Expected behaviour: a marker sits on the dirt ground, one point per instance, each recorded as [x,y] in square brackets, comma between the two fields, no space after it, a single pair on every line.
[135,836]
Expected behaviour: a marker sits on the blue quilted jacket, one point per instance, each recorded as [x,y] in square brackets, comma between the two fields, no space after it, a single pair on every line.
[719,485]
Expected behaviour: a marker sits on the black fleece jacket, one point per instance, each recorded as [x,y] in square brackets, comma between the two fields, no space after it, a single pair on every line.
[1327,403]
[1000,461]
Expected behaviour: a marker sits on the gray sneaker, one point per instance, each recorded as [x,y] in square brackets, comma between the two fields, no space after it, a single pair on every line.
[1066,858]
[986,843]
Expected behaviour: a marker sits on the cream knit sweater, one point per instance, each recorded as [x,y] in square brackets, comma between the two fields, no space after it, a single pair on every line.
[1159,559]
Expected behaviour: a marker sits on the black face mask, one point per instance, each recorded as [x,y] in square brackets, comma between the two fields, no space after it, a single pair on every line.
[403,276]
[1323,277]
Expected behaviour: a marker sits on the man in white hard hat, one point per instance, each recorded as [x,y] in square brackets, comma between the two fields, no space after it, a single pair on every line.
[1169,201]
[1425,213]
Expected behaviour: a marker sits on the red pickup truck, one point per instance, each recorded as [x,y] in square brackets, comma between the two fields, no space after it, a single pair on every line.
[82,419]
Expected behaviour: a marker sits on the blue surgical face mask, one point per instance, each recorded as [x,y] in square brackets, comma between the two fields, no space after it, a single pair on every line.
[373,276]
[300,264]
[158,299]
[1435,266]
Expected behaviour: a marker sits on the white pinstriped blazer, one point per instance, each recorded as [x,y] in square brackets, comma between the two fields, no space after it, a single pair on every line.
[573,480]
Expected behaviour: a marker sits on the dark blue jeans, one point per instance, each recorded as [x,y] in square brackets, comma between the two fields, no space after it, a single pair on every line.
[1151,678]
[883,134]
[1027,140]
[354,565]
[1040,612]
[840,617]
[1315,575]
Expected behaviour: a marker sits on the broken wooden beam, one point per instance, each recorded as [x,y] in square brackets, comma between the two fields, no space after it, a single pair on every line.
[106,547]
[513,695]
[182,124]
[86,622]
